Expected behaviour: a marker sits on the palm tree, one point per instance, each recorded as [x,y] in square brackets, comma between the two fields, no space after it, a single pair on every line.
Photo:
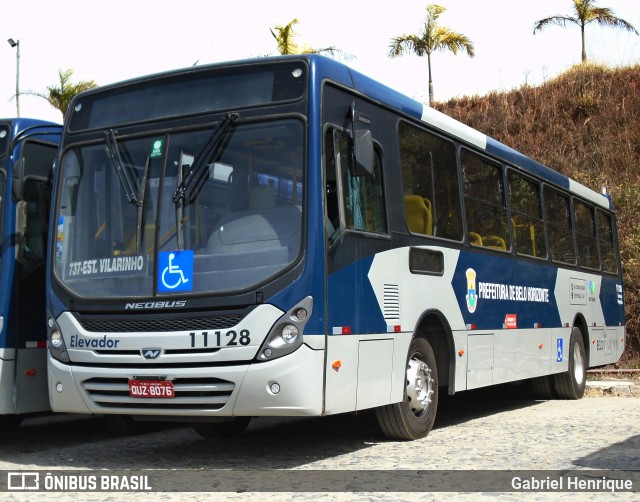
[60,96]
[285,35]
[586,12]
[433,38]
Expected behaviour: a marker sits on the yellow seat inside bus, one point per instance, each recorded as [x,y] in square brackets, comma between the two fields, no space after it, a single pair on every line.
[419,215]
[494,241]
[475,239]
[130,248]
[489,241]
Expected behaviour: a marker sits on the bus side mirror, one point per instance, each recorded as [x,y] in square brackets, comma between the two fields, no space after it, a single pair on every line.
[17,179]
[362,147]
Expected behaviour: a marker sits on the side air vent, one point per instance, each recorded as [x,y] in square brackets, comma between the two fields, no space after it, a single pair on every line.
[391,302]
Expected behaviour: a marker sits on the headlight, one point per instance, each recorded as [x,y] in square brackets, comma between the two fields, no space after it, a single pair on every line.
[57,347]
[56,340]
[286,334]
[290,334]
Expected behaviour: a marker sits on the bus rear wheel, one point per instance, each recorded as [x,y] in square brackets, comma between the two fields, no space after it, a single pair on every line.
[221,430]
[413,417]
[544,387]
[572,383]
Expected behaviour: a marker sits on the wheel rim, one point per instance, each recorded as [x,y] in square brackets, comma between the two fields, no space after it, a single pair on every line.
[419,386]
[578,364]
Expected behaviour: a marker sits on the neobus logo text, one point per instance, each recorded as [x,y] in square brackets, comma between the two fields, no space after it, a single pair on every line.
[93,343]
[155,305]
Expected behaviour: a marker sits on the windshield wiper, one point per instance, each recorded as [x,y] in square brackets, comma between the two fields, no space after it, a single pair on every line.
[196,172]
[123,174]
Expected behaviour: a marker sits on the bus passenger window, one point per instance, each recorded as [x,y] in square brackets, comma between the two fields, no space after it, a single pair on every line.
[485,202]
[607,246]
[526,216]
[430,183]
[559,229]
[586,236]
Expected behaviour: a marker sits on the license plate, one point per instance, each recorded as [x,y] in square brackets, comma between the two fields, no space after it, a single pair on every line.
[151,388]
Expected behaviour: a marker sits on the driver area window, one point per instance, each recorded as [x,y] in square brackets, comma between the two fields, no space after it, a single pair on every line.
[355,201]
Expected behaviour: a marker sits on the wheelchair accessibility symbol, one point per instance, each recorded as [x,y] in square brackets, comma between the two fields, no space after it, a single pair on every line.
[175,271]
[560,350]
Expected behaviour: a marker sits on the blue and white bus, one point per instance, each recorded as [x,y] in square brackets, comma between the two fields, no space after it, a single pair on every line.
[28,149]
[287,237]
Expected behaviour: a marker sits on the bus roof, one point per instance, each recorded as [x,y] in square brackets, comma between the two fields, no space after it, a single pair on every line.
[21,128]
[22,123]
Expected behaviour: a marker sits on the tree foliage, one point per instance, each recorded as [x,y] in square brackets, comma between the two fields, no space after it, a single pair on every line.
[432,38]
[285,39]
[60,95]
[585,12]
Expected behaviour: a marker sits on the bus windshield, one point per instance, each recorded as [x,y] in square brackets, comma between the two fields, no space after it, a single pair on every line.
[126,217]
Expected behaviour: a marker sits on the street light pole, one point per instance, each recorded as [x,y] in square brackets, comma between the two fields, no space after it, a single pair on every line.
[16,44]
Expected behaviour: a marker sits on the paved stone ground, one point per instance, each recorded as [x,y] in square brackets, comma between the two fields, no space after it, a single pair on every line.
[496,429]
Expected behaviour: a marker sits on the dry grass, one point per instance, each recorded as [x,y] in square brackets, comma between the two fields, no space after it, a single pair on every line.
[585,124]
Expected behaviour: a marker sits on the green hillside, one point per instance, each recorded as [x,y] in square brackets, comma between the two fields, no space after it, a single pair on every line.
[585,124]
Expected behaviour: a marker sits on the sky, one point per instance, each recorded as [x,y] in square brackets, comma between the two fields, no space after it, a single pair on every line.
[121,39]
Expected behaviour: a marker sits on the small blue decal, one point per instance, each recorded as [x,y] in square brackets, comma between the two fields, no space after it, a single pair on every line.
[560,350]
[175,271]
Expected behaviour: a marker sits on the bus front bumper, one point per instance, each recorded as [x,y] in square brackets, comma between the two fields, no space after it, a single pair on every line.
[288,386]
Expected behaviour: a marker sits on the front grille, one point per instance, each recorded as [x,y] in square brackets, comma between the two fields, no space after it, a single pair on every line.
[191,394]
[159,323]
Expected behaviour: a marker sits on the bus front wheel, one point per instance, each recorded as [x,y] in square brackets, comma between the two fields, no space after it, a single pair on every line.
[413,417]
[571,384]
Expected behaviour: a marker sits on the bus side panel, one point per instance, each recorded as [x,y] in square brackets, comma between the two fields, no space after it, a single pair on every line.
[31,381]
[579,295]
[405,296]
[365,371]
[521,354]
[7,375]
[605,345]
[366,344]
[517,355]
[341,374]
[528,308]
[480,362]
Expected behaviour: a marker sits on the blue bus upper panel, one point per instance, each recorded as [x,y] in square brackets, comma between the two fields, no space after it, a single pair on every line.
[22,128]
[324,67]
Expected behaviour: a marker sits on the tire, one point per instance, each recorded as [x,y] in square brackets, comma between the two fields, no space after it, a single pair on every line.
[221,430]
[572,383]
[413,417]
[544,388]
